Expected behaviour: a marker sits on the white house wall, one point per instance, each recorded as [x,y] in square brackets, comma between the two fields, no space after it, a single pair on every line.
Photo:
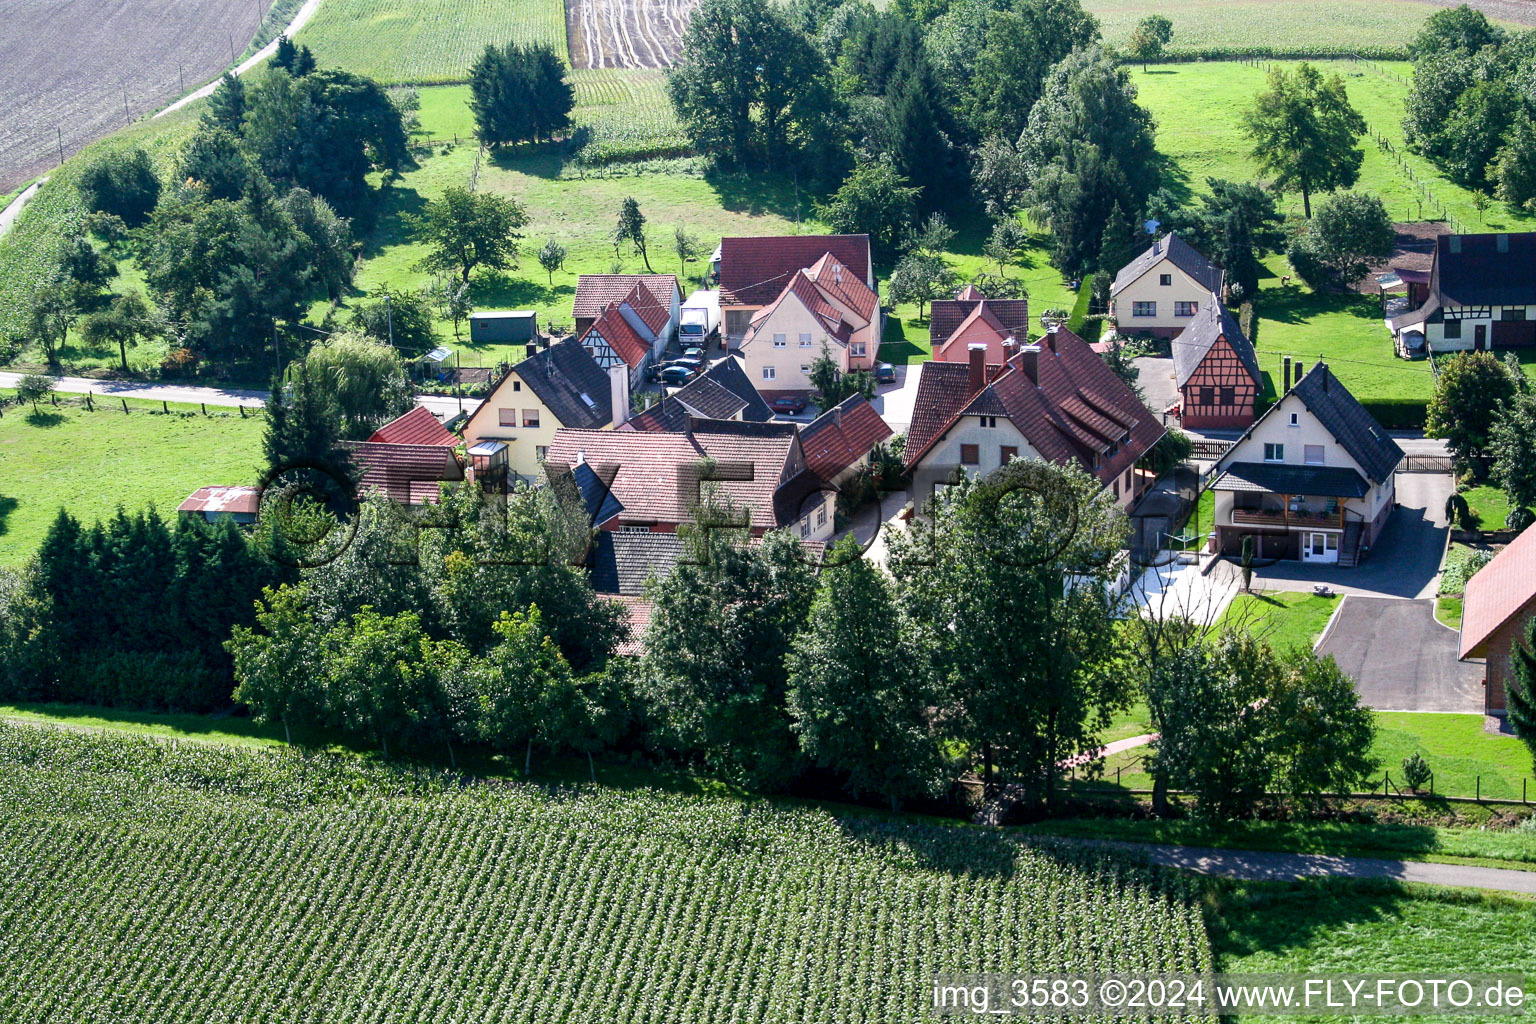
[1146,289]
[790,319]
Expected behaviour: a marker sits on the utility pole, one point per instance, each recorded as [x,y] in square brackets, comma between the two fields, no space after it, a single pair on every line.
[181,77]
[389,318]
[126,116]
[60,132]
[231,36]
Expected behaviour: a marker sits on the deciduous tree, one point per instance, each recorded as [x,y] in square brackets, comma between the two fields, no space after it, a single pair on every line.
[1304,132]
[1469,394]
[468,229]
[1149,38]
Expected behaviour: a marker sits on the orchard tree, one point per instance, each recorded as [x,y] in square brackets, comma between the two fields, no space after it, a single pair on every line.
[1000,176]
[523,691]
[552,258]
[1305,133]
[857,697]
[921,277]
[399,319]
[125,322]
[631,228]
[1468,400]
[1352,230]
[1149,39]
[1005,244]
[467,230]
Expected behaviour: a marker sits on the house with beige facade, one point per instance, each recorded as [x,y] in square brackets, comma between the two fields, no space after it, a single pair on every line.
[753,271]
[1312,479]
[1160,292]
[558,386]
[1057,401]
[826,305]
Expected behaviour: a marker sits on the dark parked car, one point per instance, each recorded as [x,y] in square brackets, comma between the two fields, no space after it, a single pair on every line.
[674,375]
[789,404]
[885,373]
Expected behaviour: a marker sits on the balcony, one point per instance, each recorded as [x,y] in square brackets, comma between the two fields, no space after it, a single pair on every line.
[1283,519]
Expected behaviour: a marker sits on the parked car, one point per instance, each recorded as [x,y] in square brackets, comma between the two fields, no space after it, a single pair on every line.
[885,373]
[789,404]
[674,375]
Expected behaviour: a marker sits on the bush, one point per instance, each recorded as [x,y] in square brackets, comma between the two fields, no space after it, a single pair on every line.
[1398,413]
[122,184]
[1416,771]
[1519,518]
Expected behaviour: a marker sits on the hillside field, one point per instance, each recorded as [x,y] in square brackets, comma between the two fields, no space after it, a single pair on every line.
[426,41]
[94,462]
[151,880]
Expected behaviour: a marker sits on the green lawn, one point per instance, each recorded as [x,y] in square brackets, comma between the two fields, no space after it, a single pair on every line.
[1284,619]
[93,462]
[1458,752]
[1448,611]
[1489,504]
[1360,926]
[1295,25]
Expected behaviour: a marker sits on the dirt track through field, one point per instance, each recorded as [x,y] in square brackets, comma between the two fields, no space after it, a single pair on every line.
[626,33]
[74,70]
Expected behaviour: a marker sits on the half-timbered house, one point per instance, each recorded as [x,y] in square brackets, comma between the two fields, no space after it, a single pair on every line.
[1216,370]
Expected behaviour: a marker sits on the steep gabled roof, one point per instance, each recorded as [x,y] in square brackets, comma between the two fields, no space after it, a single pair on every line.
[945,315]
[803,289]
[1064,399]
[1470,270]
[407,473]
[672,413]
[1497,592]
[418,426]
[571,385]
[1213,322]
[844,286]
[842,436]
[651,312]
[754,270]
[981,325]
[595,292]
[622,562]
[620,335]
[1341,415]
[1178,252]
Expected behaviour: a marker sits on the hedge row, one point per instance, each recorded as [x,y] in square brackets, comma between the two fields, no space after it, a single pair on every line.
[1398,413]
[1210,53]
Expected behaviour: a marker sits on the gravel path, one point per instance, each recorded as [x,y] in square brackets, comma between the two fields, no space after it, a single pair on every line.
[300,17]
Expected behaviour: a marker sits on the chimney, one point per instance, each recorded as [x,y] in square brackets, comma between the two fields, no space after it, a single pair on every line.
[1287,375]
[1300,367]
[1050,337]
[837,273]
[533,349]
[977,353]
[1326,375]
[618,393]
[1029,362]
[837,416]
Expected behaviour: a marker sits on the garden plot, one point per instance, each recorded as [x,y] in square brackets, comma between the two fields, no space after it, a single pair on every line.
[626,33]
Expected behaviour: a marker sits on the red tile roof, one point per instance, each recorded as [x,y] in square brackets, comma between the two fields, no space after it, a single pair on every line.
[408,473]
[637,611]
[652,313]
[234,500]
[620,335]
[844,287]
[654,472]
[1497,592]
[842,436]
[947,314]
[595,292]
[754,270]
[1072,406]
[981,326]
[802,288]
[418,426]
[970,293]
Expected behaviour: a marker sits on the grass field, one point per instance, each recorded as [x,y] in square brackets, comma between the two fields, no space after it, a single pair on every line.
[1284,620]
[1308,25]
[205,883]
[427,40]
[93,462]
[1489,504]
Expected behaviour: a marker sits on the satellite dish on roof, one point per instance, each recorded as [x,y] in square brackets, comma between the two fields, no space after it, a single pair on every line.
[1150,226]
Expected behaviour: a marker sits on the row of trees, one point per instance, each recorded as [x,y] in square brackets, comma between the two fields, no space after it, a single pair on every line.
[1471,109]
[520,93]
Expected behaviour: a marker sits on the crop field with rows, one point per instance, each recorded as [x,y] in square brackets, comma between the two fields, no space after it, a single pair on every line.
[426,41]
[153,881]
[628,114]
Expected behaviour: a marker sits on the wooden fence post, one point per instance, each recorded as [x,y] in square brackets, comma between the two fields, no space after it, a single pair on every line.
[125,405]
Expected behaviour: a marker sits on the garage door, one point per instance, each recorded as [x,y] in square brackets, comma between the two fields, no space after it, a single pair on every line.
[1514,333]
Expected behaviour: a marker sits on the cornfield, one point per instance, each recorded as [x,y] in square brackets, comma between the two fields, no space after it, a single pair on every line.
[156,881]
[1224,29]
[426,41]
[628,116]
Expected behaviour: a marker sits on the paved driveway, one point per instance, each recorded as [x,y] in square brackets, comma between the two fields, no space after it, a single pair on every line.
[1155,375]
[1400,658]
[1406,559]
[894,402]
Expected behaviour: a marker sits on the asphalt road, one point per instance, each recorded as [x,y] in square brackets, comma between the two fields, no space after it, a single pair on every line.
[444,408]
[1400,658]
[1264,866]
